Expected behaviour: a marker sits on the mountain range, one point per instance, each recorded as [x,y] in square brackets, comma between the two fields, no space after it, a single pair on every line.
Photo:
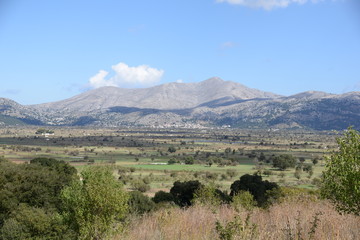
[210,103]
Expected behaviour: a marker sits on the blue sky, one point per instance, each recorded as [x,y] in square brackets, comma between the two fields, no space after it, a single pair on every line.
[52,50]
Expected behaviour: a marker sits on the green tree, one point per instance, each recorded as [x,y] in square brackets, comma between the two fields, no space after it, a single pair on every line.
[284,161]
[171,149]
[341,178]
[262,157]
[183,192]
[255,185]
[27,223]
[37,184]
[66,172]
[94,205]
[315,160]
[189,160]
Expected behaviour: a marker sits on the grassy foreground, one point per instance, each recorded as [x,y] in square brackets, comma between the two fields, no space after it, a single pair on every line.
[287,220]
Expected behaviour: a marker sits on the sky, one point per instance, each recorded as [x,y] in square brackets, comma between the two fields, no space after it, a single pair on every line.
[53,50]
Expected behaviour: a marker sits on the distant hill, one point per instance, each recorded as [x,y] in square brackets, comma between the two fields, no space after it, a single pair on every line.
[210,103]
[12,113]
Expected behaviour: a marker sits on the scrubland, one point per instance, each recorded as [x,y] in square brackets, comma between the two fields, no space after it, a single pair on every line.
[287,220]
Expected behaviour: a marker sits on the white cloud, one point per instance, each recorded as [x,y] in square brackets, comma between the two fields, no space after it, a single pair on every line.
[180,81]
[127,76]
[267,4]
[99,80]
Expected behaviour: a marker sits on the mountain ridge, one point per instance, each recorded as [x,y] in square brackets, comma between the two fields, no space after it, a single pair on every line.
[210,103]
[165,96]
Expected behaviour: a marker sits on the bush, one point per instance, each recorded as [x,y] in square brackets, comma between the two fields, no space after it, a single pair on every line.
[183,192]
[211,175]
[295,195]
[255,185]
[37,184]
[307,167]
[267,172]
[27,222]
[139,185]
[237,229]
[244,199]
[172,161]
[93,206]
[210,195]
[189,160]
[162,196]
[341,178]
[231,172]
[139,203]
[284,161]
[171,149]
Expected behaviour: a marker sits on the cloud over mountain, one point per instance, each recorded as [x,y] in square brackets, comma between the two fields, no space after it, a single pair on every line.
[125,75]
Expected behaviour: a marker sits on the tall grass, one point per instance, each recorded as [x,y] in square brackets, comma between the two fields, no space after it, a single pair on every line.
[287,220]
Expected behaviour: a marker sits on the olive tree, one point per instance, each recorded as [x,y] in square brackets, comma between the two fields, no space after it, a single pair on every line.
[341,178]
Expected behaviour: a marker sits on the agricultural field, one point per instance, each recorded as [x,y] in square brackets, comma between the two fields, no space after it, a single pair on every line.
[150,160]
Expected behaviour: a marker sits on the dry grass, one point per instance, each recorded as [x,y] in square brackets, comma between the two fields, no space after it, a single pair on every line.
[282,221]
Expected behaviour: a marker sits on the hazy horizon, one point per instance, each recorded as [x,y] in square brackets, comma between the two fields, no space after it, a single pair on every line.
[54,50]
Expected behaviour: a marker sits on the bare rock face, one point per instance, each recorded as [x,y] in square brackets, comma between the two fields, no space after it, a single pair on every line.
[210,103]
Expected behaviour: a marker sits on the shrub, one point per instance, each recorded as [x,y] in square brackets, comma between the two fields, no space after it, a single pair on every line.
[183,192]
[231,172]
[211,175]
[92,206]
[27,222]
[172,161]
[139,185]
[189,160]
[171,149]
[140,203]
[162,196]
[267,172]
[244,199]
[307,167]
[255,185]
[295,195]
[237,229]
[297,174]
[284,161]
[341,178]
[210,195]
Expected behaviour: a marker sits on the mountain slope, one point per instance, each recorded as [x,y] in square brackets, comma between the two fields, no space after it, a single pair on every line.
[12,113]
[211,103]
[166,96]
[323,113]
